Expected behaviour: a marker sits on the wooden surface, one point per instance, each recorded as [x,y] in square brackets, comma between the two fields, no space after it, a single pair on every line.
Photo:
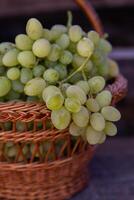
[112,172]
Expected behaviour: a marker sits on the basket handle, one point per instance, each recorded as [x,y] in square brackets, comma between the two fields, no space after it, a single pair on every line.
[91,15]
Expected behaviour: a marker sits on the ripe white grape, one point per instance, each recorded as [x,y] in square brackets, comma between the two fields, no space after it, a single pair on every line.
[76,130]
[13,73]
[85,47]
[38,70]
[54,54]
[81,118]
[73,105]
[27,59]
[94,37]
[113,69]
[97,121]
[96,84]
[110,129]
[23,42]
[75,33]
[41,48]
[110,113]
[84,86]
[10,58]
[5,86]
[62,71]
[17,86]
[66,57]
[57,30]
[26,75]
[63,41]
[104,98]
[5,47]
[51,76]
[92,105]
[93,136]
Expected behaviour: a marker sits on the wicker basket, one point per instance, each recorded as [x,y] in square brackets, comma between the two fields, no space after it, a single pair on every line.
[51,174]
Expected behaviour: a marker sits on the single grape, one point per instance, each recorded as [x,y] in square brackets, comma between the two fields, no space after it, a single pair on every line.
[27,59]
[5,47]
[104,98]
[73,105]
[17,86]
[50,90]
[97,57]
[97,121]
[93,136]
[10,58]
[81,118]
[26,75]
[76,130]
[110,129]
[96,84]
[75,33]
[102,68]
[34,29]
[13,73]
[84,86]
[38,70]
[12,95]
[104,46]
[113,68]
[63,41]
[66,57]
[61,118]
[57,30]
[54,54]
[85,47]
[62,70]
[23,42]
[75,91]
[41,48]
[35,87]
[110,113]
[102,139]
[51,76]
[92,105]
[5,86]
[94,37]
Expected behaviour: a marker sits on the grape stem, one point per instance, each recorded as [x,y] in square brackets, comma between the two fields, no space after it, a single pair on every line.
[70,19]
[84,76]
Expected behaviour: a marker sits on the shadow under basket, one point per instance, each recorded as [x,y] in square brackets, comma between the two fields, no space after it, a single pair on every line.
[37,161]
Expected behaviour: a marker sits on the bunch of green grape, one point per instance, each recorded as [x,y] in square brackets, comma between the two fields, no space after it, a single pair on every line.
[66,68]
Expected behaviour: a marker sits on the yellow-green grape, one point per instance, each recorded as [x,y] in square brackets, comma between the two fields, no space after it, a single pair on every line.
[51,76]
[35,87]
[88,67]
[75,33]
[20,126]
[41,48]
[17,86]
[5,86]
[34,29]
[66,57]
[62,70]
[73,105]
[63,41]
[8,127]
[97,121]
[102,68]
[26,75]
[94,37]
[84,86]
[54,54]
[93,136]
[47,34]
[23,42]
[49,90]
[72,47]
[12,95]
[85,47]
[76,130]
[38,70]
[103,138]
[5,47]
[11,152]
[113,68]
[110,113]
[104,98]
[110,129]
[92,105]
[75,91]
[13,73]
[81,118]
[96,84]
[61,118]
[104,46]
[10,58]
[57,30]
[27,59]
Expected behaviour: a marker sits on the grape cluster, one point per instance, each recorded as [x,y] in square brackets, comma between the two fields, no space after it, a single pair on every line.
[66,68]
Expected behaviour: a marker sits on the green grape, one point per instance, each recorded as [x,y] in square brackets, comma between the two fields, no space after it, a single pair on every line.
[51,76]
[38,70]
[81,118]
[17,86]
[54,54]
[10,58]
[35,87]
[97,57]
[62,70]
[64,87]
[113,68]
[12,95]
[72,47]
[104,46]
[57,30]
[85,47]
[92,105]
[27,59]
[26,75]
[73,105]
[94,37]
[5,86]
[47,34]
[76,77]
[96,84]
[32,98]
[84,86]
[23,42]
[61,118]
[2,70]
[110,113]
[88,67]
[76,130]
[5,47]
[34,29]
[8,127]
[41,48]
[63,41]
[102,139]
[66,57]
[102,69]
[104,98]
[50,90]
[11,152]
[97,121]
[20,126]
[75,91]
[93,136]
[13,73]
[75,33]
[110,129]
[49,64]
